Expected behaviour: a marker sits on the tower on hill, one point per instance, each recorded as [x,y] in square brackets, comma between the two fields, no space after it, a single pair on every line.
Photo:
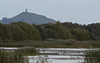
[25,10]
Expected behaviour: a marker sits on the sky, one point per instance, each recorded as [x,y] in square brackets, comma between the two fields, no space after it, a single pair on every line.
[76,11]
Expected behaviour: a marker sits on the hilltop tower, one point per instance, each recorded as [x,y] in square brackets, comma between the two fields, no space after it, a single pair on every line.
[25,10]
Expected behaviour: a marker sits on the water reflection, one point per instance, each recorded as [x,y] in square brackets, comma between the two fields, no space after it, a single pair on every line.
[62,55]
[58,55]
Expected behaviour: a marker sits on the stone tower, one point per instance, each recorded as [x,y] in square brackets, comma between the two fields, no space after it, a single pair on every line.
[25,10]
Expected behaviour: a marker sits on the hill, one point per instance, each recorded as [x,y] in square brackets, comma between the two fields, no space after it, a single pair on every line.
[30,18]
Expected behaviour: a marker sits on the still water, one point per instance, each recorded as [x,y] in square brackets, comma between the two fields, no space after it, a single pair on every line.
[61,55]
[58,55]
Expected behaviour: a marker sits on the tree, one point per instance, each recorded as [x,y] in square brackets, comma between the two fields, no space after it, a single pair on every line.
[63,32]
[5,32]
[52,33]
[43,32]
[81,34]
[29,32]
[94,28]
[18,33]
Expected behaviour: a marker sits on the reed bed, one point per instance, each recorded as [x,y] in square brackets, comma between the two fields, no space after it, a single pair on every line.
[16,56]
[52,44]
[93,57]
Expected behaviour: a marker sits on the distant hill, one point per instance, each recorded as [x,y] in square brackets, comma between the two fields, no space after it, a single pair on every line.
[30,18]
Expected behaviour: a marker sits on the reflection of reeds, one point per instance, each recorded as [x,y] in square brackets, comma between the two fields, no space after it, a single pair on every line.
[41,59]
[93,57]
[16,56]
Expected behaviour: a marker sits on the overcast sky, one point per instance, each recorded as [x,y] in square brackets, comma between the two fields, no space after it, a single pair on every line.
[76,11]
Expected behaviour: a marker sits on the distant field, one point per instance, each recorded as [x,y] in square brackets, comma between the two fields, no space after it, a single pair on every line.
[52,44]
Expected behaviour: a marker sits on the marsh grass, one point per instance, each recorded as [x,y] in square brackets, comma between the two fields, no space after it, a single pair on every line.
[51,44]
[93,57]
[16,56]
[28,51]
[12,57]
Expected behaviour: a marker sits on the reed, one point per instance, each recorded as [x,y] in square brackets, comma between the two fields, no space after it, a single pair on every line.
[93,57]
[51,44]
[41,59]
[16,56]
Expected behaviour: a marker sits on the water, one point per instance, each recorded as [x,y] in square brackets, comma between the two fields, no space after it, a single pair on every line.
[61,55]
[58,55]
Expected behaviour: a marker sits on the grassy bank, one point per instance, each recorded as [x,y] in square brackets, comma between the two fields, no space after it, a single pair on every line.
[52,44]
[93,57]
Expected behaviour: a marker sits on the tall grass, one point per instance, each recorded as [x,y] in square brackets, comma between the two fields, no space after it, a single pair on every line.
[93,57]
[16,56]
[41,59]
[12,57]
[50,44]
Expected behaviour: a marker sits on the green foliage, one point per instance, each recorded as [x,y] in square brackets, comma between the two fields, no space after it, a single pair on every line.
[93,56]
[5,32]
[94,28]
[0,39]
[52,33]
[63,32]
[69,43]
[23,31]
[43,32]
[31,30]
[18,33]
[72,25]
[57,31]
[81,34]
[12,57]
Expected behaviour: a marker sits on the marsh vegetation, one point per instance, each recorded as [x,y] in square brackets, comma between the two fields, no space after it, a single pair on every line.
[52,44]
[93,57]
[16,55]
[58,35]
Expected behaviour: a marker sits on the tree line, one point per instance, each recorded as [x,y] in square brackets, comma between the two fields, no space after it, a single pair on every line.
[94,28]
[22,31]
